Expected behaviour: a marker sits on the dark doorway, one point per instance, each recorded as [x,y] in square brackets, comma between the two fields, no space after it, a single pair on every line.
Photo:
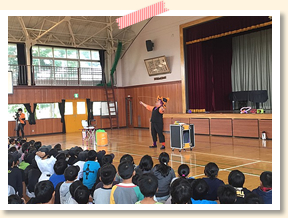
[129,112]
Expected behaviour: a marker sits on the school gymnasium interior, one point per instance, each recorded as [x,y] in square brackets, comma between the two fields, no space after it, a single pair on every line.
[77,76]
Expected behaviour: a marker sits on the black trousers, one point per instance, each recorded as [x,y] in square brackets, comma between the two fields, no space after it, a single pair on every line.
[20,127]
[157,128]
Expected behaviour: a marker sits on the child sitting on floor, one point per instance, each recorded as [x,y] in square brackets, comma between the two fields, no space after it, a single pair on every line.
[265,189]
[81,194]
[226,194]
[199,191]
[236,179]
[211,171]
[72,189]
[44,193]
[181,193]
[58,176]
[164,174]
[183,172]
[82,158]
[148,184]
[45,162]
[90,170]
[145,166]
[252,198]
[15,174]
[125,192]
[15,199]
[62,193]
[107,176]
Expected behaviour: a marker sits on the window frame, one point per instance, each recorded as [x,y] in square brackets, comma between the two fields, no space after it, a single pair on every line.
[54,110]
[12,56]
[101,109]
[53,58]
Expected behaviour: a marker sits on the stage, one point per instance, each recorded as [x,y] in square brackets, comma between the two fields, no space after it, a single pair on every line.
[226,123]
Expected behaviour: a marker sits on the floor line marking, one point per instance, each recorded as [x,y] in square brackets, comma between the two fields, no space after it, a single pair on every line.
[197,165]
[242,165]
[219,155]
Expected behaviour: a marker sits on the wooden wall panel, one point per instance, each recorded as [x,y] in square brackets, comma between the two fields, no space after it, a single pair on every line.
[245,128]
[221,127]
[120,98]
[105,123]
[43,126]
[57,125]
[265,125]
[184,120]
[201,126]
[148,94]
[167,122]
[55,94]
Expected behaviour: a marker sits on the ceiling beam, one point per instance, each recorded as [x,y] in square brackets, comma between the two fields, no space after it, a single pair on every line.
[95,34]
[21,21]
[58,39]
[122,31]
[51,28]
[41,27]
[99,44]
[71,33]
[90,21]
[12,37]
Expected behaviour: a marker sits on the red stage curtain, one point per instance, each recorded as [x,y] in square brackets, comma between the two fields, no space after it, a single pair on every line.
[222,25]
[209,74]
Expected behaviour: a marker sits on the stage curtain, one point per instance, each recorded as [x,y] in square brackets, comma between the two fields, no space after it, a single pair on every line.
[61,106]
[252,63]
[222,25]
[31,114]
[89,110]
[22,72]
[209,74]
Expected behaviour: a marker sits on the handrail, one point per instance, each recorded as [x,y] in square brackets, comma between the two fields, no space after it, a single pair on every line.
[56,76]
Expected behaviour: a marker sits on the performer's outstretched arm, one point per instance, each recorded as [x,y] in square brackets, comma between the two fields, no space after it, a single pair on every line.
[148,107]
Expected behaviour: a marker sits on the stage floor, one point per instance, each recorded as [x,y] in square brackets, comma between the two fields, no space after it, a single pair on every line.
[250,156]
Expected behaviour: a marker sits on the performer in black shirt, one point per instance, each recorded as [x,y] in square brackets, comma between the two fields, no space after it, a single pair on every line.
[157,120]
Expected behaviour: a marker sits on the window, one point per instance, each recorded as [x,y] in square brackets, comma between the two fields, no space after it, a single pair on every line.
[97,108]
[60,53]
[72,63]
[68,108]
[12,54]
[35,51]
[72,54]
[60,63]
[47,110]
[85,64]
[85,54]
[45,52]
[95,55]
[101,108]
[81,108]
[60,66]
[13,108]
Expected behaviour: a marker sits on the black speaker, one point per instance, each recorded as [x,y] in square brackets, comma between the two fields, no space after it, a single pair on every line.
[149,45]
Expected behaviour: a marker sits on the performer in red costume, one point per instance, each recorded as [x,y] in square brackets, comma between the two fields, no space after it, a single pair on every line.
[157,120]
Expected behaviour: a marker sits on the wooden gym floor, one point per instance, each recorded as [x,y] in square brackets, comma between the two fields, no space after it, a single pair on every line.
[251,156]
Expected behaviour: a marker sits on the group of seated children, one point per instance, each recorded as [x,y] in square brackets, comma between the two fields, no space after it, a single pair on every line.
[44,175]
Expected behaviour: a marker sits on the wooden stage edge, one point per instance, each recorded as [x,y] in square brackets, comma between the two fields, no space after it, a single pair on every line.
[224,124]
[221,115]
